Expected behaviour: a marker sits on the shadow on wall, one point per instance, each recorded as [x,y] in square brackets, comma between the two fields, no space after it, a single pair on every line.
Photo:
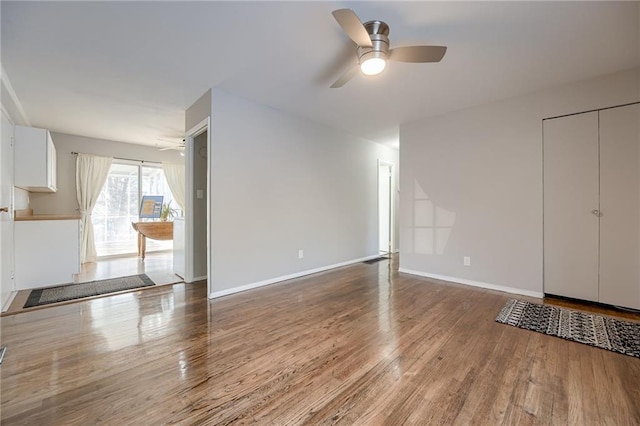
[431,225]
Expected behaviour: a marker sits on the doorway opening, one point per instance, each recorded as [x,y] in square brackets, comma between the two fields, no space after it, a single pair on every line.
[118,206]
[116,218]
[195,253]
[385,208]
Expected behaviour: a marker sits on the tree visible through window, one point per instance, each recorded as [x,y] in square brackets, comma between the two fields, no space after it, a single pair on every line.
[119,203]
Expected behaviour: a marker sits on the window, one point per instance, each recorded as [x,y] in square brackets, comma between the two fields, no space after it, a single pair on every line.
[119,203]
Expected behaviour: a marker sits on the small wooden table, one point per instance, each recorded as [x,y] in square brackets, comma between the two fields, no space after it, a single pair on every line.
[153,230]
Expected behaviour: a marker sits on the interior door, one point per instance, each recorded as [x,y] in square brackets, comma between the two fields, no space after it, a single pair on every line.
[620,206]
[571,204]
[6,221]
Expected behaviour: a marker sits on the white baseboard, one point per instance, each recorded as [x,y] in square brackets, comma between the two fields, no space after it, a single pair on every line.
[203,277]
[9,301]
[480,284]
[251,286]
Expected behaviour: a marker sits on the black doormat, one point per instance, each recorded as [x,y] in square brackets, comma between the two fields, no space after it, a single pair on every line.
[591,329]
[61,293]
[376,260]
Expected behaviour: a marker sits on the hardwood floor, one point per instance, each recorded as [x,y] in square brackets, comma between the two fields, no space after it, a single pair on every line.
[356,345]
[595,308]
[158,266]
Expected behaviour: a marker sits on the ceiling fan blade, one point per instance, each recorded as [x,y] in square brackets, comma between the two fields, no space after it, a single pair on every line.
[417,53]
[351,25]
[344,78]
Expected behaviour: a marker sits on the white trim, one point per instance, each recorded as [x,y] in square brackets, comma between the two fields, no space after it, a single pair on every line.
[392,216]
[199,278]
[213,295]
[512,290]
[199,128]
[13,292]
[14,97]
[188,210]
[209,276]
[9,301]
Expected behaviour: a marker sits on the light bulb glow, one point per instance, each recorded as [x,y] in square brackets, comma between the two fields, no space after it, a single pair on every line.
[373,66]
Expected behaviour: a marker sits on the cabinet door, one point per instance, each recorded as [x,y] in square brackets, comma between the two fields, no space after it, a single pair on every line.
[570,196]
[40,262]
[619,202]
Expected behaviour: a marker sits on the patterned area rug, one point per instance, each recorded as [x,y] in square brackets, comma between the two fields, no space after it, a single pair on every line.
[591,329]
[44,296]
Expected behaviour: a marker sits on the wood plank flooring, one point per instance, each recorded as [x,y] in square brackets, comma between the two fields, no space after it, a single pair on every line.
[158,266]
[357,345]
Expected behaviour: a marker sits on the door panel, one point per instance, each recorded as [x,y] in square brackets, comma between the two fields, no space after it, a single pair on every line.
[619,202]
[6,222]
[570,195]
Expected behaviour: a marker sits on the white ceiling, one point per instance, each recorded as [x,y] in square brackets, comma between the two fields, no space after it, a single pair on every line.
[127,71]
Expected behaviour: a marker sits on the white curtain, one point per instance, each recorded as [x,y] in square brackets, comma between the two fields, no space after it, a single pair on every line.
[176,179]
[91,174]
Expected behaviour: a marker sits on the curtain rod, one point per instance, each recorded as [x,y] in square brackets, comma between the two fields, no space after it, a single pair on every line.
[126,159]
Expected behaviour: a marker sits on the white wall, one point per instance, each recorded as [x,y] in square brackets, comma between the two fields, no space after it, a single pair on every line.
[64,201]
[6,218]
[12,113]
[481,169]
[282,183]
[197,112]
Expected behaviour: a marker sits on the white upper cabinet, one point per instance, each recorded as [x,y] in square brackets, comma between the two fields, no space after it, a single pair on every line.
[35,160]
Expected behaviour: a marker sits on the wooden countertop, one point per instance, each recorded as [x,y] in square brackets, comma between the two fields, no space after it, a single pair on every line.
[21,215]
[49,217]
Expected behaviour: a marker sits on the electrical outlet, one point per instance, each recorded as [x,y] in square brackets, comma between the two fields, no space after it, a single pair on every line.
[466,260]
[300,254]
[199,194]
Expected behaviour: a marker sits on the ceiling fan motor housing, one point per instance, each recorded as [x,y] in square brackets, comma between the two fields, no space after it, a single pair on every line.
[379,32]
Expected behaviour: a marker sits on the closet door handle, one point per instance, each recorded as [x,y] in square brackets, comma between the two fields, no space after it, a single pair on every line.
[597,212]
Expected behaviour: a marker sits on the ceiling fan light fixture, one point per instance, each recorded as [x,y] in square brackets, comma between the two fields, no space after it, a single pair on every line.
[373,66]
[373,51]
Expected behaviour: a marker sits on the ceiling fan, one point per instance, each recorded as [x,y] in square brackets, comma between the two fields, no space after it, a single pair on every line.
[179,147]
[373,50]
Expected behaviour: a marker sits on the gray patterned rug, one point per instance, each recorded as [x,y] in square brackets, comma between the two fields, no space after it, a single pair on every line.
[61,293]
[591,329]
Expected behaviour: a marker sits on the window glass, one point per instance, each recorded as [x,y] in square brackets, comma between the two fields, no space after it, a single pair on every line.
[155,183]
[119,203]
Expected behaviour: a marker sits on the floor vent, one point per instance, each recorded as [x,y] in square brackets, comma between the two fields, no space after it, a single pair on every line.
[376,260]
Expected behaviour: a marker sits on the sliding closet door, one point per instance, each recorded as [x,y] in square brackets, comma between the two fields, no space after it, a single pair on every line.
[570,199]
[619,203]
